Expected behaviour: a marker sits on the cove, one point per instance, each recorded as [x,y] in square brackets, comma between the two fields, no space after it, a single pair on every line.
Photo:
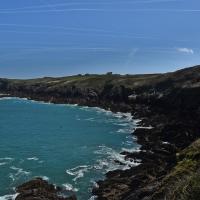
[71,146]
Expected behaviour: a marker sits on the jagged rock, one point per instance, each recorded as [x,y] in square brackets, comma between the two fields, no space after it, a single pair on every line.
[39,189]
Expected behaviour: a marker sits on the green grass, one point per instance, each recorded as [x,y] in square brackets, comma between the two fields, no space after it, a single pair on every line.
[183,182]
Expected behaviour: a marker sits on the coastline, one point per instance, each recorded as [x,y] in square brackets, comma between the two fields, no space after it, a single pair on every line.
[122,161]
[167,103]
[157,157]
[149,160]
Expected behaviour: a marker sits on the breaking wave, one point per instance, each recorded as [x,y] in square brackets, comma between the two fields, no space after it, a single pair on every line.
[8,197]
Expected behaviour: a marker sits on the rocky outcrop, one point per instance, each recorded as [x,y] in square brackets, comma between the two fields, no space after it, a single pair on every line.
[173,122]
[39,189]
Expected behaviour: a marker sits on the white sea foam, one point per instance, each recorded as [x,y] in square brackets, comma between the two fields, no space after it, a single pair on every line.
[13,98]
[19,171]
[85,108]
[7,158]
[12,177]
[90,119]
[94,184]
[93,198]
[122,124]
[9,197]
[78,172]
[33,158]
[5,98]
[137,149]
[124,116]
[125,130]
[137,121]
[101,164]
[144,127]
[165,142]
[110,163]
[101,110]
[69,187]
[3,163]
[71,105]
[45,178]
[129,142]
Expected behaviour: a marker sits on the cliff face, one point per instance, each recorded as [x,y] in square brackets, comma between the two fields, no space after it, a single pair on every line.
[175,121]
[170,103]
[99,88]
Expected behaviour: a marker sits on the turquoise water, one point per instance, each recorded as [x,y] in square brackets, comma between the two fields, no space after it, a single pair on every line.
[70,146]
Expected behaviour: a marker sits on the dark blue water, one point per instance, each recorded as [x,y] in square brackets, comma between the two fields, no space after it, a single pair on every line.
[70,146]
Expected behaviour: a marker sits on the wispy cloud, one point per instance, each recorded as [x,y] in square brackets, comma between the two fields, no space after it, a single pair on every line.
[54,27]
[131,56]
[75,32]
[185,50]
[22,52]
[87,31]
[94,10]
[92,6]
[92,3]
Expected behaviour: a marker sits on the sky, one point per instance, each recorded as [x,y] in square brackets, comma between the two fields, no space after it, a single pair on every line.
[65,37]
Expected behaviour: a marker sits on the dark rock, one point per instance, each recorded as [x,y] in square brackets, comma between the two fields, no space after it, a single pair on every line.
[39,189]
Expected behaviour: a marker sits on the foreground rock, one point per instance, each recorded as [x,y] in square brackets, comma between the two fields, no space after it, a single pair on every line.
[39,189]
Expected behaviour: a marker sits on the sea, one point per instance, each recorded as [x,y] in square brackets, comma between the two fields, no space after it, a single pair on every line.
[68,145]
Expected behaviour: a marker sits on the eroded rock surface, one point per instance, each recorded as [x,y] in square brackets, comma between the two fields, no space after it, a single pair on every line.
[39,189]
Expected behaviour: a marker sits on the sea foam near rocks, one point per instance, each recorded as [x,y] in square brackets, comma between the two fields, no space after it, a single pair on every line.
[9,197]
[78,172]
[69,187]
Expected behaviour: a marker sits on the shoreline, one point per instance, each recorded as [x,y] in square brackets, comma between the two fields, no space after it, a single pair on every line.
[157,158]
[128,116]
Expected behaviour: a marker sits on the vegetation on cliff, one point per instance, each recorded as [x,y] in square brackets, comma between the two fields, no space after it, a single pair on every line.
[183,182]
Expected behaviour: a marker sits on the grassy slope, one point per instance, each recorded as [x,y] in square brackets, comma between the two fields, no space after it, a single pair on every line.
[88,81]
[183,183]
[181,78]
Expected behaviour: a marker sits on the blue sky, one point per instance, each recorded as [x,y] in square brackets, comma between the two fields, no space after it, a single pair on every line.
[64,37]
